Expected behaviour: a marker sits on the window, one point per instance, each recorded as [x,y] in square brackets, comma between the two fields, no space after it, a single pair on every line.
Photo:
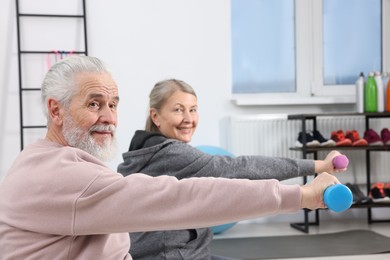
[306,52]
[351,44]
[263,42]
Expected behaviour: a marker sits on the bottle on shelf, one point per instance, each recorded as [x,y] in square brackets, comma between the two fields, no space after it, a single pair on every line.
[380,91]
[370,94]
[360,93]
[385,78]
[388,95]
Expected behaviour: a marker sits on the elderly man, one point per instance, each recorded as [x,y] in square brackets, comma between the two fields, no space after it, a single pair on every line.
[59,201]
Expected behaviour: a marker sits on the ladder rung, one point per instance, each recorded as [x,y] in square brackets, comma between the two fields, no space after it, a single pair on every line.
[34,126]
[30,89]
[48,52]
[54,15]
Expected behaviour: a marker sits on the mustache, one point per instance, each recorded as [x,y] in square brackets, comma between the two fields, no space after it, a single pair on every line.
[107,127]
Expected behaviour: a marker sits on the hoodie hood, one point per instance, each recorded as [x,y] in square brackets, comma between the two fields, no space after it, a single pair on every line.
[144,139]
[143,146]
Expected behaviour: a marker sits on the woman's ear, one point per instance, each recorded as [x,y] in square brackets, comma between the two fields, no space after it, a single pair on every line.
[54,111]
[154,116]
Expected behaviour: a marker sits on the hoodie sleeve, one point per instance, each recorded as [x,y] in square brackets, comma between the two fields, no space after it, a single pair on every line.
[184,161]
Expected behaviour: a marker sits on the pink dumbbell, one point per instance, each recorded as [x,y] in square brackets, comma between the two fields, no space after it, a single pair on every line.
[340,162]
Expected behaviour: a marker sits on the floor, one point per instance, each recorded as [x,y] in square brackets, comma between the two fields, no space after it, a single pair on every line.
[280,229]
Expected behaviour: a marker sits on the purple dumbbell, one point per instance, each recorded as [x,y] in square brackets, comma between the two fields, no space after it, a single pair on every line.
[340,162]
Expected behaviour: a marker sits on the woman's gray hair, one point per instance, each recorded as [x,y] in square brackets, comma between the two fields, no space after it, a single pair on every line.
[59,82]
[160,94]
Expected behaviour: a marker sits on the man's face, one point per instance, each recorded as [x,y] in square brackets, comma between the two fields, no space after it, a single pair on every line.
[92,117]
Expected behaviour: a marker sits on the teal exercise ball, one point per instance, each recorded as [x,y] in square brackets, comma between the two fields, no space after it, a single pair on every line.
[214,150]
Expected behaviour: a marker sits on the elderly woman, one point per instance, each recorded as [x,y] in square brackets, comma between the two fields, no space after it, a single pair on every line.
[163,149]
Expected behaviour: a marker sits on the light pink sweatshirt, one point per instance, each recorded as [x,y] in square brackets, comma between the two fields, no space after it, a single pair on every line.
[59,202]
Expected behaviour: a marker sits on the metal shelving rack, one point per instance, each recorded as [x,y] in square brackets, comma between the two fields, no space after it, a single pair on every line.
[21,52]
[304,226]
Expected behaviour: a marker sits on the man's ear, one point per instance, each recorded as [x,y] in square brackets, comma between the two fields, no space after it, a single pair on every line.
[54,111]
[154,116]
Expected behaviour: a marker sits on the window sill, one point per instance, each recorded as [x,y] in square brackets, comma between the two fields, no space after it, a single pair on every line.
[288,99]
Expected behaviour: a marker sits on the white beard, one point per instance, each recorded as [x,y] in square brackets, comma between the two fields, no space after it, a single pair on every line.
[79,138]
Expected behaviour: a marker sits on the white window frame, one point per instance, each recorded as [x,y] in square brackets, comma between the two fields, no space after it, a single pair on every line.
[310,89]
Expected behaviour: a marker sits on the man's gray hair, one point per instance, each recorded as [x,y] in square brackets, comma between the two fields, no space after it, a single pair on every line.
[59,82]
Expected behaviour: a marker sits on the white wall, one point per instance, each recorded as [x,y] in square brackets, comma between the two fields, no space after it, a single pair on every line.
[143,42]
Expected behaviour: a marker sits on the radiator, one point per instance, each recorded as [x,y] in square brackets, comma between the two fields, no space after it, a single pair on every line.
[273,135]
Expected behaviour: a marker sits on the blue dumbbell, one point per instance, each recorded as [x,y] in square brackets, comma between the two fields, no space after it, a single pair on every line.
[338,197]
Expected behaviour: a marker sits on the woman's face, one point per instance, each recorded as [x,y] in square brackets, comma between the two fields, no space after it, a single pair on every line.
[178,117]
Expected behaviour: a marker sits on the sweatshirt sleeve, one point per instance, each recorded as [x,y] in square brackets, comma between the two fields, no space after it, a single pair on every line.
[78,195]
[142,203]
[184,161]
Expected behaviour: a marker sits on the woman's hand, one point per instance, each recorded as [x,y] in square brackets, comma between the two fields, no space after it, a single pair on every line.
[326,165]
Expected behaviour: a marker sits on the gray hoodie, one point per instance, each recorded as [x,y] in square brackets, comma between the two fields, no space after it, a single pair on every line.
[154,154]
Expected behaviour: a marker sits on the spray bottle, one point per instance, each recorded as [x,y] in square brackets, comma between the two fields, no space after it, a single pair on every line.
[360,93]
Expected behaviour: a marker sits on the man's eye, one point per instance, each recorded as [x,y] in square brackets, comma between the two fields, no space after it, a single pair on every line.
[94,106]
[113,106]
